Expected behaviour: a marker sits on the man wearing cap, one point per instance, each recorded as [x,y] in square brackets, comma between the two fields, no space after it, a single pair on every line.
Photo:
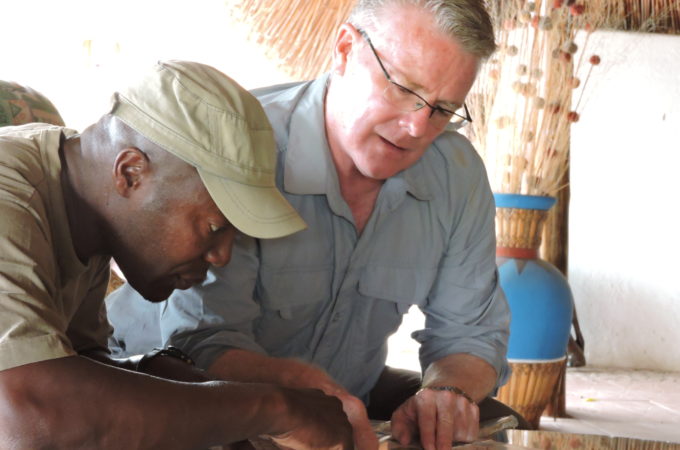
[163,183]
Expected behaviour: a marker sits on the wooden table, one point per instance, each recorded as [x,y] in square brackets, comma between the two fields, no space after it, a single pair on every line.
[521,439]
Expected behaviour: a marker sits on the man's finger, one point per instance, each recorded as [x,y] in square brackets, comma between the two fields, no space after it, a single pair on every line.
[404,422]
[427,417]
[364,437]
[469,418]
[446,419]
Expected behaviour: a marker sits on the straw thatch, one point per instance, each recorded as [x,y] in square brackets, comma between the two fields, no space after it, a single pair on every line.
[654,16]
[297,33]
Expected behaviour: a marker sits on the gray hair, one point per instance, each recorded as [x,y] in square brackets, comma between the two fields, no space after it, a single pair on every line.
[467,21]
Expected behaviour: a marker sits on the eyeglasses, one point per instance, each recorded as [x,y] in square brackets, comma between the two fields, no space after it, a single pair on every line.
[407,100]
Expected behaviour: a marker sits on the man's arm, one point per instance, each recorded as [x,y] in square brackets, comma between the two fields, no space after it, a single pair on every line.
[160,366]
[75,402]
[464,342]
[244,365]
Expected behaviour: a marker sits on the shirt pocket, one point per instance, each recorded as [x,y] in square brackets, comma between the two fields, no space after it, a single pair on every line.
[294,293]
[404,286]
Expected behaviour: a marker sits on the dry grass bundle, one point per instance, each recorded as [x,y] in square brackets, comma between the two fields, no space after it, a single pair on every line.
[522,103]
[654,16]
[527,96]
[297,33]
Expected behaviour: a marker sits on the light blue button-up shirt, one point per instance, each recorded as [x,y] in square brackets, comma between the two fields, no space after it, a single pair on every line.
[333,297]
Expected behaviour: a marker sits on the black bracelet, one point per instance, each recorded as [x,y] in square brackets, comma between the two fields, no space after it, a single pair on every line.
[167,351]
[454,389]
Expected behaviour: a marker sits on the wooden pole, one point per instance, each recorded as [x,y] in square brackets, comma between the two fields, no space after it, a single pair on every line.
[555,250]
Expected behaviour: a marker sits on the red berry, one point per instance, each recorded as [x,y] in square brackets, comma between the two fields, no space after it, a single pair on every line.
[594,60]
[534,20]
[577,9]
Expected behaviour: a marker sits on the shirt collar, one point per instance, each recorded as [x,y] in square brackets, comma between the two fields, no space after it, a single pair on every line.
[417,180]
[308,170]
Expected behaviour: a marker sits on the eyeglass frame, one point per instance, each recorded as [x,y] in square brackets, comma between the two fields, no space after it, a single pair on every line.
[433,108]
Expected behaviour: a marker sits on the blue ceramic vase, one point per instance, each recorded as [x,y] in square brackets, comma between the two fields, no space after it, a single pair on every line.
[540,302]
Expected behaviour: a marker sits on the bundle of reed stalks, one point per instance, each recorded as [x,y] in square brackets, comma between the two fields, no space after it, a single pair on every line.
[529,94]
[653,16]
[297,33]
[522,103]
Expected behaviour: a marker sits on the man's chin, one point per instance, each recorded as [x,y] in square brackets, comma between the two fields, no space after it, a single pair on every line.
[154,294]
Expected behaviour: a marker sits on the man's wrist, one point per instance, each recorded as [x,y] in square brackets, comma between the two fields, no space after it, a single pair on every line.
[169,351]
[276,403]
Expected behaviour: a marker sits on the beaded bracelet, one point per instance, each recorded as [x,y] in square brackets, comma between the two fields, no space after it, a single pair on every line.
[454,389]
[168,351]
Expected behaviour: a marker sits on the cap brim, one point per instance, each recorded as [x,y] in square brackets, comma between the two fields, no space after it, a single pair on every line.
[261,212]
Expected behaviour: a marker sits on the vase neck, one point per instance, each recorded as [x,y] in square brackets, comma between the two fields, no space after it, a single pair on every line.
[518,232]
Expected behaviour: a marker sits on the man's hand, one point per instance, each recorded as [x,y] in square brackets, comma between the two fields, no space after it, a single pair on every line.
[314,420]
[440,417]
[243,365]
[312,377]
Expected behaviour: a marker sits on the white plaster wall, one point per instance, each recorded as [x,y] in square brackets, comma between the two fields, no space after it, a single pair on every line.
[624,226]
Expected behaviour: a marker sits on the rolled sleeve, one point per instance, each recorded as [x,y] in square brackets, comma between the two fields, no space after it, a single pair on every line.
[466,310]
[89,328]
[207,320]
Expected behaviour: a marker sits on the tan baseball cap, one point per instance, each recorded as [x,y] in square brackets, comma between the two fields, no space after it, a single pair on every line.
[205,118]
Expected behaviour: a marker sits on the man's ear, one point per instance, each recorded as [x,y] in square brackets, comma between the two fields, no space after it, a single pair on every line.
[129,170]
[344,42]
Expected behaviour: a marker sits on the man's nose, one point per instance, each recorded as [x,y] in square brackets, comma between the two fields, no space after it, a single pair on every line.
[220,253]
[416,122]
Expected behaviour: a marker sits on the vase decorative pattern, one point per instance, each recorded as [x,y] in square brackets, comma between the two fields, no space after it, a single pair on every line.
[540,300]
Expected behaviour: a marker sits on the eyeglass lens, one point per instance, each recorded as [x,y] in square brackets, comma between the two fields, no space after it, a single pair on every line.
[407,101]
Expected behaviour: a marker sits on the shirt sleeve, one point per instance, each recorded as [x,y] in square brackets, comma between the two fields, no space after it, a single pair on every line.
[89,328]
[32,326]
[220,314]
[466,311]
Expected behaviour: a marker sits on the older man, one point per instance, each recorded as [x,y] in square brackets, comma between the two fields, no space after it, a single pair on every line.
[162,183]
[400,213]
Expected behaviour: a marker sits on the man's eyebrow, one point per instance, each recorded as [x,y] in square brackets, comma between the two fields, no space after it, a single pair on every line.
[415,87]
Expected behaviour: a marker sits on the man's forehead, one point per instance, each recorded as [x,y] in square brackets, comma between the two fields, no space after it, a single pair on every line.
[412,61]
